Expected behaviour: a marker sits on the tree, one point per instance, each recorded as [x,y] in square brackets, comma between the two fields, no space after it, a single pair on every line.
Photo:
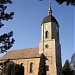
[42,65]
[10,68]
[72,2]
[72,63]
[66,69]
[3,66]
[6,40]
[17,70]
[67,2]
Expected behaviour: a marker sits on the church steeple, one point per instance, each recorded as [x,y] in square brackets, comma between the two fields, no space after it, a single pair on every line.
[49,9]
[50,44]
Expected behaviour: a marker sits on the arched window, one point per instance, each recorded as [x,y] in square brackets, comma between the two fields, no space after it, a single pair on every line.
[46,34]
[31,67]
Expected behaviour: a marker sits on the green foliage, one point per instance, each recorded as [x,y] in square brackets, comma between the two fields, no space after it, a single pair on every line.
[6,40]
[17,70]
[5,1]
[10,68]
[66,69]
[72,2]
[67,2]
[42,65]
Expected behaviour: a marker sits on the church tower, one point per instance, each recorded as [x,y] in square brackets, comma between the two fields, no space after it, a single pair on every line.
[50,44]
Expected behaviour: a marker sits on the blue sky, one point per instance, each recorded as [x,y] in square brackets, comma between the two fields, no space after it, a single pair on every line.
[27,20]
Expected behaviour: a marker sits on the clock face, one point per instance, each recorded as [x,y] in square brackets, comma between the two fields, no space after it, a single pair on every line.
[46,46]
[46,26]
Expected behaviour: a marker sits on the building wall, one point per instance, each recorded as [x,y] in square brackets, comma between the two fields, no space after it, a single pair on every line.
[52,53]
[26,64]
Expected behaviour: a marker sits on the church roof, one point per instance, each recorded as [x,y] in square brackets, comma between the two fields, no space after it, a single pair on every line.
[49,18]
[21,54]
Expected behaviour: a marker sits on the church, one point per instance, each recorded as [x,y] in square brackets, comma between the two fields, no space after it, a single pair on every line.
[49,45]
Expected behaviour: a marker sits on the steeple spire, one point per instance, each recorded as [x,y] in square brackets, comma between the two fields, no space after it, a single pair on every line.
[49,9]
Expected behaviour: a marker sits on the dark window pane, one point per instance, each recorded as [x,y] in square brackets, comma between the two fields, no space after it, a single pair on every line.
[46,34]
[31,67]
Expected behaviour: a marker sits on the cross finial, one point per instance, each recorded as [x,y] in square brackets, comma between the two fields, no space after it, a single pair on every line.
[49,9]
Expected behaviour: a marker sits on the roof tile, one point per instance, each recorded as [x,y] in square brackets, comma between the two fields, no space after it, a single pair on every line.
[24,53]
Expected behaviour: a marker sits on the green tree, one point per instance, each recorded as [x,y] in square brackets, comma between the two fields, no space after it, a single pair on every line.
[3,65]
[72,2]
[6,40]
[67,2]
[10,68]
[66,69]
[17,70]
[42,65]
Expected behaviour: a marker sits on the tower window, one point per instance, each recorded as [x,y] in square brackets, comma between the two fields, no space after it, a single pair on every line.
[31,67]
[46,34]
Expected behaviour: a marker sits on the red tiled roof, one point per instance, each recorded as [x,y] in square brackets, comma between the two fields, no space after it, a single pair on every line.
[24,53]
